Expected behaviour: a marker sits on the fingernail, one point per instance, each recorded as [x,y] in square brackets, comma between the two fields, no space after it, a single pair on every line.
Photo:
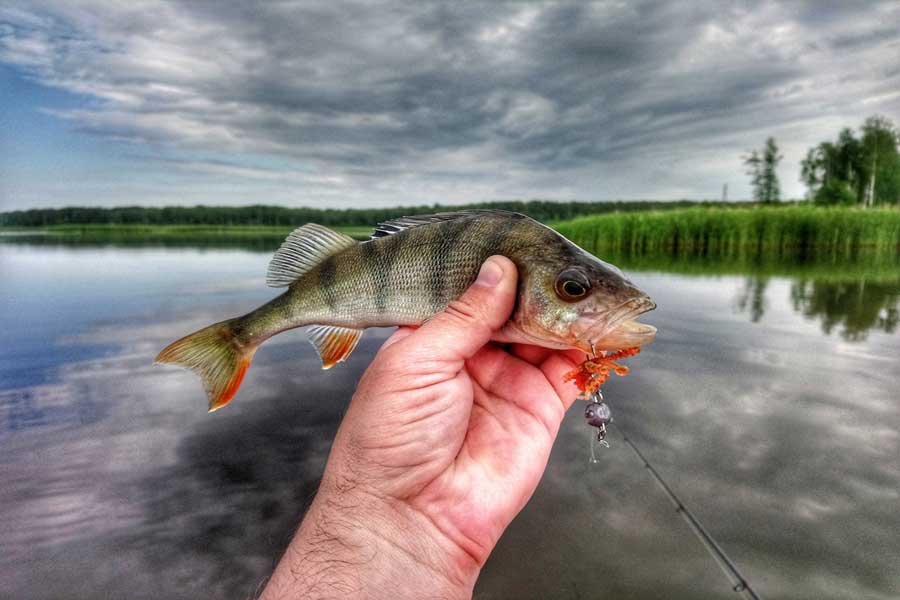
[490,274]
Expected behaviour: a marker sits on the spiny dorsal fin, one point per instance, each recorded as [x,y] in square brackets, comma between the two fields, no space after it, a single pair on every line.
[397,225]
[306,247]
[334,344]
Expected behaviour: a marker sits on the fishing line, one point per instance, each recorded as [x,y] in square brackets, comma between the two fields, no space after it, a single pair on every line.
[739,583]
[597,414]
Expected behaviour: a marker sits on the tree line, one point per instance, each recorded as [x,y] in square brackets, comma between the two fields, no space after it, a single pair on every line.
[858,168]
[542,210]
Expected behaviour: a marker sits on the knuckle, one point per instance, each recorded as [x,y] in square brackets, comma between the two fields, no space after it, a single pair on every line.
[463,311]
[462,315]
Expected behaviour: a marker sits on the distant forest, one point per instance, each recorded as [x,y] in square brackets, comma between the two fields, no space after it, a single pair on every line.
[541,210]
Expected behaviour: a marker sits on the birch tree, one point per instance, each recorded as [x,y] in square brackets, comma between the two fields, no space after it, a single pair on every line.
[863,170]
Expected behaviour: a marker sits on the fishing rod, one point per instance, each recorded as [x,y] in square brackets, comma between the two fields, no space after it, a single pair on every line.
[598,415]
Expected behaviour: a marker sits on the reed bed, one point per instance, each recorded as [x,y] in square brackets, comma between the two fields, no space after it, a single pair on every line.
[805,231]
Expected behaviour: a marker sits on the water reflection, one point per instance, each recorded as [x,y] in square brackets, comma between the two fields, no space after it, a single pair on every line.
[116,483]
[49,406]
[853,307]
[752,297]
[268,242]
[855,294]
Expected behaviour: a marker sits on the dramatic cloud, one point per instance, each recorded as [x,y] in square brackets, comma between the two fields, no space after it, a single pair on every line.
[418,102]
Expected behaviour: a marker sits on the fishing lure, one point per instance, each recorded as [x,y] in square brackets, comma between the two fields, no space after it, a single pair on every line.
[597,414]
[593,372]
[588,377]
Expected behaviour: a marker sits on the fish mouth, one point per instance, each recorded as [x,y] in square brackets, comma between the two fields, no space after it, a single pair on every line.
[616,328]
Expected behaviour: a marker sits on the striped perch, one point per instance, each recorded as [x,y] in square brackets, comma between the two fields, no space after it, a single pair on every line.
[411,269]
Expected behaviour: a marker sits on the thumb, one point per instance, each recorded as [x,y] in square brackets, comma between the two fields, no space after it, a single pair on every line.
[467,324]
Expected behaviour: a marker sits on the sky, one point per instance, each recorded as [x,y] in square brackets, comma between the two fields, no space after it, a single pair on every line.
[332,104]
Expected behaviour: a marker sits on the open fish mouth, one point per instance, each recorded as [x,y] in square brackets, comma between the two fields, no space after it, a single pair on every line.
[627,335]
[617,328]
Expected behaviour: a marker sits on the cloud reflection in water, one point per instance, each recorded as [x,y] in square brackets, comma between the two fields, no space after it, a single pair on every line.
[781,438]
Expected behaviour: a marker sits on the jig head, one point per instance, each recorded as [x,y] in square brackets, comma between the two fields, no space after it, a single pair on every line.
[597,414]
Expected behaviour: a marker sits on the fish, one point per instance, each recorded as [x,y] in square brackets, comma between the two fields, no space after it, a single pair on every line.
[411,269]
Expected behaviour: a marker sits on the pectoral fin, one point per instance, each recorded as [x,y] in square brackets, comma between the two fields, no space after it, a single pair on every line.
[334,344]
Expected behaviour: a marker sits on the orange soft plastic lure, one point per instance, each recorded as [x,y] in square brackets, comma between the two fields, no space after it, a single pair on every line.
[594,372]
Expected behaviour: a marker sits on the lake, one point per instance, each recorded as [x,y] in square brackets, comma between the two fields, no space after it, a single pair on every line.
[770,402]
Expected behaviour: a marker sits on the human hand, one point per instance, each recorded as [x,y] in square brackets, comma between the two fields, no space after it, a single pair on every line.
[442,445]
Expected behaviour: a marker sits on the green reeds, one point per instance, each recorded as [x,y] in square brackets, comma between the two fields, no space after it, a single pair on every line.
[823,234]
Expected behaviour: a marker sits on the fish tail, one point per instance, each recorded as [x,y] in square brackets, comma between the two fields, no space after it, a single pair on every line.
[217,356]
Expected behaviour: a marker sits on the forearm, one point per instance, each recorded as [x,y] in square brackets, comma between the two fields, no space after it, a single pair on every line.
[352,545]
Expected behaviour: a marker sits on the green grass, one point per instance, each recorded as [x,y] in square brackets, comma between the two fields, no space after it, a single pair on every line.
[808,232]
[112,233]
[699,240]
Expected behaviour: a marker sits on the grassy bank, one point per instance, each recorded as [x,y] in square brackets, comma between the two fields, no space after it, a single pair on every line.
[283,216]
[797,231]
[744,236]
[110,233]
[799,241]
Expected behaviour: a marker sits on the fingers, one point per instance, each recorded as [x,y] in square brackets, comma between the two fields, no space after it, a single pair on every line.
[530,386]
[554,368]
[576,356]
[401,333]
[538,354]
[514,381]
[534,355]
[467,324]
[554,364]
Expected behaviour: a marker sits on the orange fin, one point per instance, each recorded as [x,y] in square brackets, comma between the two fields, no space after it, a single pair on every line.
[334,344]
[214,354]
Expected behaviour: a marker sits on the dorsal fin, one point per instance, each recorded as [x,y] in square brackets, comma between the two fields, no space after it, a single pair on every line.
[397,225]
[306,247]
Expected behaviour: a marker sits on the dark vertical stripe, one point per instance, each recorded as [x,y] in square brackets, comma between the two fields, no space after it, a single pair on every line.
[508,240]
[327,278]
[391,254]
[433,249]
[495,241]
[388,251]
[515,233]
[450,247]
[373,261]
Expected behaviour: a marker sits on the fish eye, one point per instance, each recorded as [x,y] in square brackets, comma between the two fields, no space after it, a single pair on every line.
[572,285]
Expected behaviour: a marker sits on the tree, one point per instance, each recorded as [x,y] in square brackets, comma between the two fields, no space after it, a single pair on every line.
[762,167]
[771,158]
[864,170]
[753,162]
[880,162]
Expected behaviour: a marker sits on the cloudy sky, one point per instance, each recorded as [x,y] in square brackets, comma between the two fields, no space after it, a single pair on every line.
[329,104]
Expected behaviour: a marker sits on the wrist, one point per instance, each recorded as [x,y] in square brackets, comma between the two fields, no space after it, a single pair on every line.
[352,543]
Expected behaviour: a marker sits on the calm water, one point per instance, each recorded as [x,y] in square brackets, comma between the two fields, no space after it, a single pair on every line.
[771,404]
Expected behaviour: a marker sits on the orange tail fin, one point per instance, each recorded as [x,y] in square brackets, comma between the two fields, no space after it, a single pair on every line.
[215,355]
